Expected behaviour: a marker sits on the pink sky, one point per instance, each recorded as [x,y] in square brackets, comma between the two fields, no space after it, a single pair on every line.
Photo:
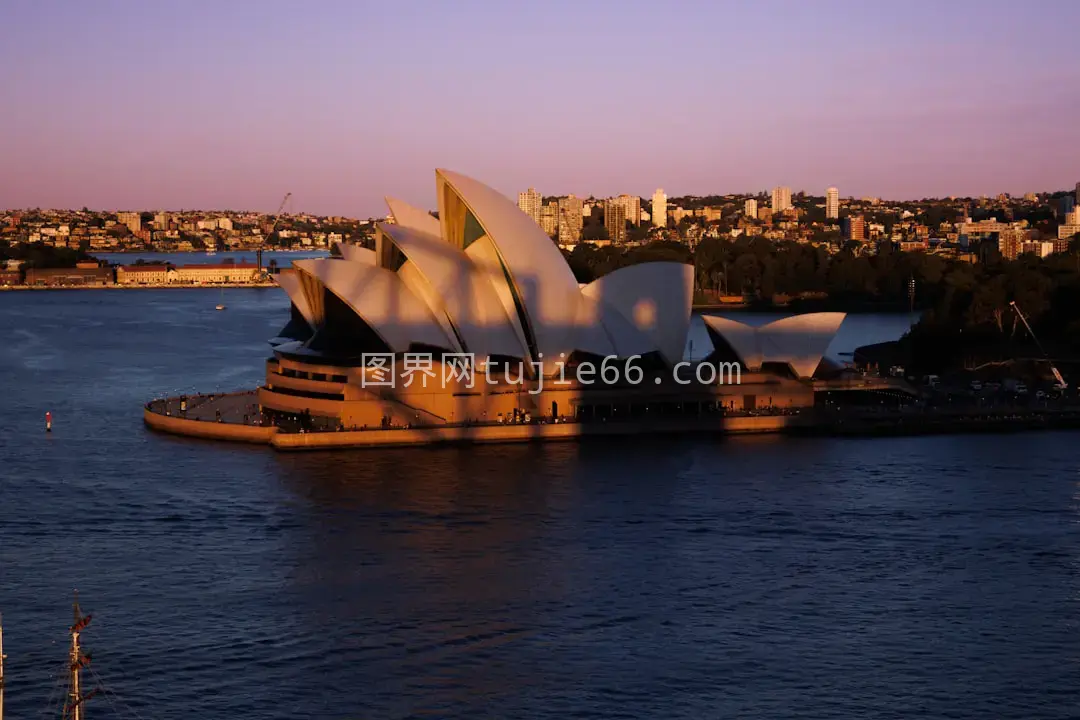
[214,105]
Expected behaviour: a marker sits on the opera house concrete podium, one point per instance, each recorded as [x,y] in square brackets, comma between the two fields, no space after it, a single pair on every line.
[378,339]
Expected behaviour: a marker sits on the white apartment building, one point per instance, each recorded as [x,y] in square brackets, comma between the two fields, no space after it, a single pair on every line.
[832,203]
[570,219]
[530,202]
[133,220]
[781,199]
[632,205]
[659,208]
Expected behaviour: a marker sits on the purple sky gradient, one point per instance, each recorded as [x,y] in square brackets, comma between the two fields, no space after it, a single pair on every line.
[115,104]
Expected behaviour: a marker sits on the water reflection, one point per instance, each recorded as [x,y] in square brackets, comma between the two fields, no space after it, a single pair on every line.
[450,568]
[644,577]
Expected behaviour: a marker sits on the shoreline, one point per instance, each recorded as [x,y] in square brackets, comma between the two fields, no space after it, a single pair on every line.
[813,422]
[143,251]
[115,286]
[438,435]
[702,307]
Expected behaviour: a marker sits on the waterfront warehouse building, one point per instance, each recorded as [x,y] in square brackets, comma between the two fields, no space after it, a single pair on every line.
[482,280]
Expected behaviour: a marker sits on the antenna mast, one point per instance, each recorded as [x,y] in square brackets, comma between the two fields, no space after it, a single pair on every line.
[2,668]
[73,708]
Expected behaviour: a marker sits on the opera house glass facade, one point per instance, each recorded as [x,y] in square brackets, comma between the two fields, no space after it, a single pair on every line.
[475,317]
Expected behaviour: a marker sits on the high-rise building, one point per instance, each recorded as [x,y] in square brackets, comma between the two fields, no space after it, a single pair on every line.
[549,218]
[832,203]
[615,220]
[1067,204]
[632,205]
[1010,243]
[781,199]
[1076,196]
[854,228]
[570,219]
[1066,232]
[1042,249]
[750,208]
[162,220]
[530,203]
[133,220]
[659,208]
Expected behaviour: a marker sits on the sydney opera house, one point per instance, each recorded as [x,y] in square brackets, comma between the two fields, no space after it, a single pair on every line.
[483,281]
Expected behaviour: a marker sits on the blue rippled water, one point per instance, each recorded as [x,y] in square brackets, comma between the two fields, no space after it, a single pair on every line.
[683,578]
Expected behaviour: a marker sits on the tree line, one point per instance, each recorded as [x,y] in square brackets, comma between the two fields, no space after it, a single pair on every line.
[954,296]
[39,255]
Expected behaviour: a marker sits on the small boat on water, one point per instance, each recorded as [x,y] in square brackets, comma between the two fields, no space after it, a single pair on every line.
[221,305]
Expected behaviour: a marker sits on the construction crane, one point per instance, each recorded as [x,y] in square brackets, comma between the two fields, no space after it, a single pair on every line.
[1054,370]
[277,215]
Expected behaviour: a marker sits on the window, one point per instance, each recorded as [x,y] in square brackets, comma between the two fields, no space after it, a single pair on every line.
[473,230]
[519,305]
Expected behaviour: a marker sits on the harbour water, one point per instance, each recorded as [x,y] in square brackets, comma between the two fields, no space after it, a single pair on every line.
[282,258]
[677,578]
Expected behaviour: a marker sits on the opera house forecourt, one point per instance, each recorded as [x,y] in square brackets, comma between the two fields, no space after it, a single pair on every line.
[471,326]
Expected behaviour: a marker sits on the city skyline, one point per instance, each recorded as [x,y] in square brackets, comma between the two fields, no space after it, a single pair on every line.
[762,198]
[198,107]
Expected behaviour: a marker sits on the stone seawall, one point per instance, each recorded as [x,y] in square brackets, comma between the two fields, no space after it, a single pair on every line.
[233,432]
[234,417]
[197,422]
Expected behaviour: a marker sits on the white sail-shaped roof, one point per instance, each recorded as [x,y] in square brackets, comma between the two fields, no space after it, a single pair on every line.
[484,278]
[382,300]
[799,341]
[460,292]
[741,337]
[418,285]
[485,258]
[532,264]
[618,334]
[357,253]
[413,218]
[655,298]
[290,283]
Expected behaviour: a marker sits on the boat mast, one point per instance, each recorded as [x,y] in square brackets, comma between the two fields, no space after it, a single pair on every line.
[73,708]
[1,667]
